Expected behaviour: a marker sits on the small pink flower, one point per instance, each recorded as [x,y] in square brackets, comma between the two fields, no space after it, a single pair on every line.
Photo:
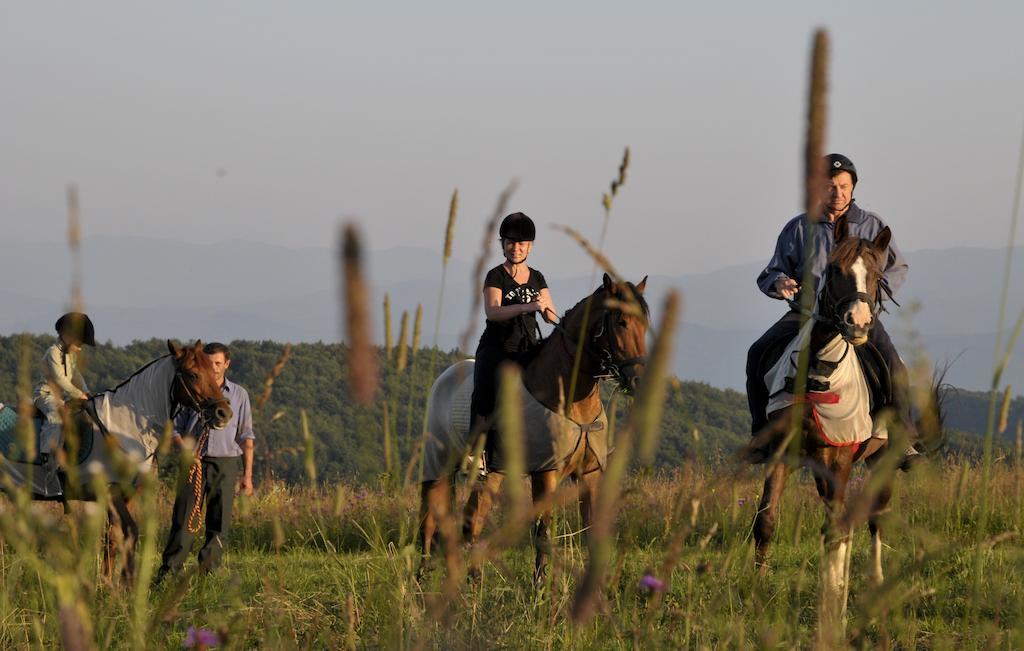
[652,583]
[200,638]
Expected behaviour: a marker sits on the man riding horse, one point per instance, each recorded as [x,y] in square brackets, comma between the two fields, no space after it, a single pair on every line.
[800,242]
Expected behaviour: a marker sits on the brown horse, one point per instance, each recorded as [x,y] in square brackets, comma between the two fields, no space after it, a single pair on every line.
[844,314]
[113,438]
[614,345]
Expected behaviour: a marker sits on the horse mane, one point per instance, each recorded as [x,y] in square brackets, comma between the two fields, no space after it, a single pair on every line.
[846,253]
[634,294]
[128,379]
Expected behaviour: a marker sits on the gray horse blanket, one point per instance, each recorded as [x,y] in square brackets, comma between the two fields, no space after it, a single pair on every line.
[551,438]
[842,413]
[132,416]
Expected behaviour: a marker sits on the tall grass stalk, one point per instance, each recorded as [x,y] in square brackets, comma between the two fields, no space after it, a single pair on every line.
[362,360]
[389,342]
[1002,357]
[486,246]
[644,422]
[600,260]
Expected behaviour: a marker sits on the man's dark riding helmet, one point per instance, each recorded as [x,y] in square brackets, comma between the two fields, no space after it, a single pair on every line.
[837,163]
[518,228]
[76,327]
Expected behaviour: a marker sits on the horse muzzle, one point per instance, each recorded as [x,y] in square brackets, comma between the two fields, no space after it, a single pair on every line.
[219,414]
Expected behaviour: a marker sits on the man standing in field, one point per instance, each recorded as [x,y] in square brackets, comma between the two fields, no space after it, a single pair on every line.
[798,244]
[213,475]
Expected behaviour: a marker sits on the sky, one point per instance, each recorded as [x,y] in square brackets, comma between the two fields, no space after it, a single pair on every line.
[273,121]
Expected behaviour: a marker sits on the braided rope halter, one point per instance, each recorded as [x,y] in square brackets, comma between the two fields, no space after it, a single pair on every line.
[195,471]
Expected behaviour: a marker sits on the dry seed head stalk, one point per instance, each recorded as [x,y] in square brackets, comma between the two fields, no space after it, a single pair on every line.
[814,163]
[606,199]
[598,257]
[362,362]
[388,341]
[449,231]
[268,383]
[650,401]
[1004,411]
[500,208]
[75,246]
[403,339]
[417,329]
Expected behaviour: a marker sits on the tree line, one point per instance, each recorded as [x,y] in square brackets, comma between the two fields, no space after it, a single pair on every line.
[350,442]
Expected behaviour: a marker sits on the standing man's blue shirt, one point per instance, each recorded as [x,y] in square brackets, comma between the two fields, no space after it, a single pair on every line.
[222,442]
[793,248]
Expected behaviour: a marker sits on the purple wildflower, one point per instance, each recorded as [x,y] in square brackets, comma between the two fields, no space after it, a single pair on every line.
[200,638]
[652,583]
[743,501]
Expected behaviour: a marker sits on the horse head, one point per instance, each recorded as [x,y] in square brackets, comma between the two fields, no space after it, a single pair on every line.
[620,333]
[849,296]
[195,385]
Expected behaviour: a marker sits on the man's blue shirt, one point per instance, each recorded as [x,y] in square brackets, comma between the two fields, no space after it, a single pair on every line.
[796,240]
[224,442]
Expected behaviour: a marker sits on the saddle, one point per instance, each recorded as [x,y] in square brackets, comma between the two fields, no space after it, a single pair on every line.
[876,372]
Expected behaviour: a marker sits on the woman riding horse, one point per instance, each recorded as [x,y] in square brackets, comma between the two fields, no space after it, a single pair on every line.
[513,294]
[565,433]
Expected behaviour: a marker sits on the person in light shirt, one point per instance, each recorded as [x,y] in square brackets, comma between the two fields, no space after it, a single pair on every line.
[226,459]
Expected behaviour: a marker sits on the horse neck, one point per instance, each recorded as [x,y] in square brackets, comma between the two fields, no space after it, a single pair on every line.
[549,376]
[146,394]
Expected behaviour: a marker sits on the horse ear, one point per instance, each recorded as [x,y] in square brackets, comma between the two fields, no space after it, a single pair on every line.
[842,229]
[882,239]
[198,345]
[608,284]
[173,348]
[642,285]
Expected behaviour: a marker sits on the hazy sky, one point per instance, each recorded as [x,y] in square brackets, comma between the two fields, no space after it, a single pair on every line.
[269,120]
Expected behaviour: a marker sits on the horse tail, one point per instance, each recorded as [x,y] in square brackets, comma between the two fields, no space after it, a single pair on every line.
[931,413]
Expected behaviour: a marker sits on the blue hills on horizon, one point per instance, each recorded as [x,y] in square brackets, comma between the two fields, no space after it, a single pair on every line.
[137,288]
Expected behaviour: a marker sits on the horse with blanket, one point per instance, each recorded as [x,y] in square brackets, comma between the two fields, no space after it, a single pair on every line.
[566,435]
[840,420]
[111,438]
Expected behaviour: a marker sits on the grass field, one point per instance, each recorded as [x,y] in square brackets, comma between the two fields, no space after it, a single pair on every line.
[338,568]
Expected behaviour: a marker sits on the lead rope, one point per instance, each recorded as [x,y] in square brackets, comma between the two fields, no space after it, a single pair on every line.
[195,477]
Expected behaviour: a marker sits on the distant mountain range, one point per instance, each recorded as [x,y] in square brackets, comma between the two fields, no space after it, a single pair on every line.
[137,288]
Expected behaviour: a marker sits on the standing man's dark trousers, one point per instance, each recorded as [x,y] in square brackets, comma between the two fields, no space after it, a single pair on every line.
[220,475]
[784,330]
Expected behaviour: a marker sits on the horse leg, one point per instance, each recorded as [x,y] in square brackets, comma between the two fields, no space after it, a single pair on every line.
[767,513]
[436,525]
[428,521]
[479,504]
[874,525]
[544,485]
[588,484]
[122,538]
[831,473]
[588,478]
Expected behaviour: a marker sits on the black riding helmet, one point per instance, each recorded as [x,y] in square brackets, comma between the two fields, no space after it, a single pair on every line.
[518,228]
[837,163]
[76,327]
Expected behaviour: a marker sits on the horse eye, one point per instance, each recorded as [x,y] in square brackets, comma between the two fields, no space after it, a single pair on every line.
[622,322]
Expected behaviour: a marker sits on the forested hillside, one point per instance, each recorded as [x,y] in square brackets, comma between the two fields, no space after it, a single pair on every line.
[348,440]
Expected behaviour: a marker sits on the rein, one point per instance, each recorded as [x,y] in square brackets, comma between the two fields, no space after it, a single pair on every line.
[195,471]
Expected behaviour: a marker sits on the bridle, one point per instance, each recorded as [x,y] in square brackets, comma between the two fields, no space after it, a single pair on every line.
[832,307]
[191,400]
[601,345]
